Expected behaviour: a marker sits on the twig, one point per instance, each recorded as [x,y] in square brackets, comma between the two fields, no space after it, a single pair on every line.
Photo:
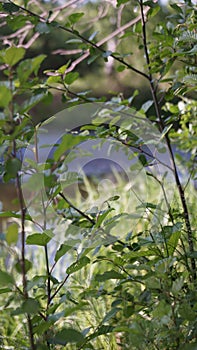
[168,142]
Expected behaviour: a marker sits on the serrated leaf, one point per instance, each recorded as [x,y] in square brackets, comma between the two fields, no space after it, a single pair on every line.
[41,239]
[13,55]
[12,234]
[62,251]
[78,265]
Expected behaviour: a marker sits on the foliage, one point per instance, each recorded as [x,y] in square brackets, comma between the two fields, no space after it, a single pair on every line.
[133,286]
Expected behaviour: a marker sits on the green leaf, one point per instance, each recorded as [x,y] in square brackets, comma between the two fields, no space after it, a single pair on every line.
[68,142]
[75,17]
[5,96]
[5,279]
[78,265]
[28,266]
[19,22]
[63,68]
[71,77]
[104,329]
[42,28]
[165,131]
[143,159]
[145,107]
[102,217]
[29,66]
[109,275]
[31,306]
[12,234]
[12,166]
[12,214]
[10,7]
[173,242]
[121,68]
[93,58]
[41,239]
[62,251]
[120,2]
[113,198]
[13,55]
[110,314]
[5,290]
[67,335]
[177,285]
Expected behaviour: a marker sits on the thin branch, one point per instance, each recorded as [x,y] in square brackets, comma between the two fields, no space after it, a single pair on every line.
[87,217]
[60,287]
[89,42]
[168,142]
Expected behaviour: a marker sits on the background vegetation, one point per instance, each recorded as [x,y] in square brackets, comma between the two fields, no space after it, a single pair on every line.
[137,291]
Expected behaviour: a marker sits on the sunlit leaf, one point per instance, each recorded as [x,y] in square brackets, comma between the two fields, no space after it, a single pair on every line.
[62,251]
[13,55]
[78,265]
[40,239]
[12,234]
[5,96]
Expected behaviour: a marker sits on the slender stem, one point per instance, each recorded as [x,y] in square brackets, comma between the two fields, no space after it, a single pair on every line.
[77,210]
[58,289]
[168,142]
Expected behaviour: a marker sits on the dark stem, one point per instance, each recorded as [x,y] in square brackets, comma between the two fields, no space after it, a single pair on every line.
[87,217]
[168,142]
[23,210]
